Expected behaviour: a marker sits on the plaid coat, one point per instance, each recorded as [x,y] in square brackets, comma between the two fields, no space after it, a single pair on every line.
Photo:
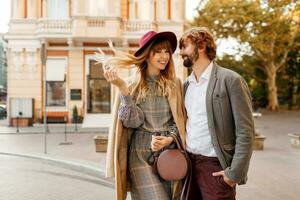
[119,137]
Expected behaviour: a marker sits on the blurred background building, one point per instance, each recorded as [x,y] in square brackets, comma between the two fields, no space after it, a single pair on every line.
[72,30]
[3,70]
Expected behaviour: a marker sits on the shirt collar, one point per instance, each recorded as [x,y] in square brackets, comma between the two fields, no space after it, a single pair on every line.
[205,75]
[207,72]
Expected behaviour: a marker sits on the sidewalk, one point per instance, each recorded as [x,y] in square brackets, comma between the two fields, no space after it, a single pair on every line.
[273,175]
[52,128]
[274,172]
[79,156]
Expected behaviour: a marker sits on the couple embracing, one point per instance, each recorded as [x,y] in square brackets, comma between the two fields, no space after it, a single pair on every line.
[210,112]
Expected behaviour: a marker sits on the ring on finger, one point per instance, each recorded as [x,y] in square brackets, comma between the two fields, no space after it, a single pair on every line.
[106,67]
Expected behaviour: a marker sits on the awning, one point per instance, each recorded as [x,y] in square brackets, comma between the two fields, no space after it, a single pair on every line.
[55,69]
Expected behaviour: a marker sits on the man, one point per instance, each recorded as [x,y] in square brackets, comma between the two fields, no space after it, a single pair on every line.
[220,130]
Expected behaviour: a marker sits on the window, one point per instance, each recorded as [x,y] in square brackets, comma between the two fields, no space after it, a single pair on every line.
[98,90]
[56,93]
[57,9]
[56,82]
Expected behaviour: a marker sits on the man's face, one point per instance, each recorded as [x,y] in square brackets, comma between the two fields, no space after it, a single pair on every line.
[187,52]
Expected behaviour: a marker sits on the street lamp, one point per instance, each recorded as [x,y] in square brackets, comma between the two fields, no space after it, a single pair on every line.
[65,142]
[19,115]
[43,62]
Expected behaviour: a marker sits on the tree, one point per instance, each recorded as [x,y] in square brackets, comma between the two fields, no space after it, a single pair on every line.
[291,75]
[268,27]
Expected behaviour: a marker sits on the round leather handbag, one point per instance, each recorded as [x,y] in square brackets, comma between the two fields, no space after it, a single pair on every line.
[172,164]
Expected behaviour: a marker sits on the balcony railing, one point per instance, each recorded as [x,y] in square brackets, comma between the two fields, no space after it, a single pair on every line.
[130,28]
[138,26]
[96,22]
[57,26]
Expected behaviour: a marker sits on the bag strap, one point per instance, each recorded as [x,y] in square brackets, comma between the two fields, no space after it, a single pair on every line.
[187,182]
[178,142]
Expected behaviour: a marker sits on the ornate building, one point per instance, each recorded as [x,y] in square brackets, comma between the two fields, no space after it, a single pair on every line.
[72,30]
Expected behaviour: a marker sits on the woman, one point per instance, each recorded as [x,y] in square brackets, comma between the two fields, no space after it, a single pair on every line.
[150,110]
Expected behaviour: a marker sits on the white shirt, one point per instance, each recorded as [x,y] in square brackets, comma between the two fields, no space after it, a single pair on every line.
[198,138]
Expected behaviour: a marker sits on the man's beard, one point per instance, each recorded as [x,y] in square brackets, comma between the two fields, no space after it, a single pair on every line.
[188,61]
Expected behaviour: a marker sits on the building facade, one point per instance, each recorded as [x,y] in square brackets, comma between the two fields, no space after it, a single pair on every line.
[71,31]
[3,70]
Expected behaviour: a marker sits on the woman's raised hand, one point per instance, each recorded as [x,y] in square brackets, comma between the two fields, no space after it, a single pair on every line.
[112,77]
[110,73]
[159,142]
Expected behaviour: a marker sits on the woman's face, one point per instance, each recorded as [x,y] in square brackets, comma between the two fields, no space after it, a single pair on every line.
[158,59]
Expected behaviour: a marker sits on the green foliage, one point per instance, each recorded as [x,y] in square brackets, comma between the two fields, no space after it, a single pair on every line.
[289,79]
[75,113]
[268,27]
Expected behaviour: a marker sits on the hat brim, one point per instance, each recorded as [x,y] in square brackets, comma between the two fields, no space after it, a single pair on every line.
[170,36]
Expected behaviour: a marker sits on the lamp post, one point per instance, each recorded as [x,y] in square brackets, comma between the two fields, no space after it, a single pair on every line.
[43,62]
[66,140]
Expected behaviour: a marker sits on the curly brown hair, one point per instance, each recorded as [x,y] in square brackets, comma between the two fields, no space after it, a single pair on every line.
[200,37]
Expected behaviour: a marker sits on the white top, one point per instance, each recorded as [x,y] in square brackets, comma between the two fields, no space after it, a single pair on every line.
[198,138]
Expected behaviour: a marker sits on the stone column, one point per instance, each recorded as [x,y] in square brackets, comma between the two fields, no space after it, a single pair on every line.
[44,3]
[162,10]
[68,8]
[132,9]
[31,9]
[14,9]
[144,9]
[177,10]
[124,9]
[18,9]
[21,9]
[39,8]
[80,7]
[151,8]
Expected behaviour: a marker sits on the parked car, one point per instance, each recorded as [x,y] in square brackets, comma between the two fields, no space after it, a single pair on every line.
[3,112]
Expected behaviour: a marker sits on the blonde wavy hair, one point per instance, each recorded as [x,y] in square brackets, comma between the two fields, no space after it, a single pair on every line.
[166,77]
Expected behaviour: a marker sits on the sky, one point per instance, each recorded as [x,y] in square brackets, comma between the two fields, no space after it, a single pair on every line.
[4,15]
[5,12]
[190,8]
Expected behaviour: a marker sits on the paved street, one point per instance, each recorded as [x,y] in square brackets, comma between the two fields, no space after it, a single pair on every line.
[31,179]
[274,172]
[273,175]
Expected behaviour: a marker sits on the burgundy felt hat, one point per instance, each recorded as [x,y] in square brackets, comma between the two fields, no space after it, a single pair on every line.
[150,36]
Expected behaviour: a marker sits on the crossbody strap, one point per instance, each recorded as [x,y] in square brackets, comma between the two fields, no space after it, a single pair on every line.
[188,179]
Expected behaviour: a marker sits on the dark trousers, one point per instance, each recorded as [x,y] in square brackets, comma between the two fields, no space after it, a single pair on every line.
[204,185]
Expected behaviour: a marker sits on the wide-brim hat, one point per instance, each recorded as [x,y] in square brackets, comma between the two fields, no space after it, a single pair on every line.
[151,36]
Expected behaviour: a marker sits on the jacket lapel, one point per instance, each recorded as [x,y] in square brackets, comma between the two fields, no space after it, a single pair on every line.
[209,95]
